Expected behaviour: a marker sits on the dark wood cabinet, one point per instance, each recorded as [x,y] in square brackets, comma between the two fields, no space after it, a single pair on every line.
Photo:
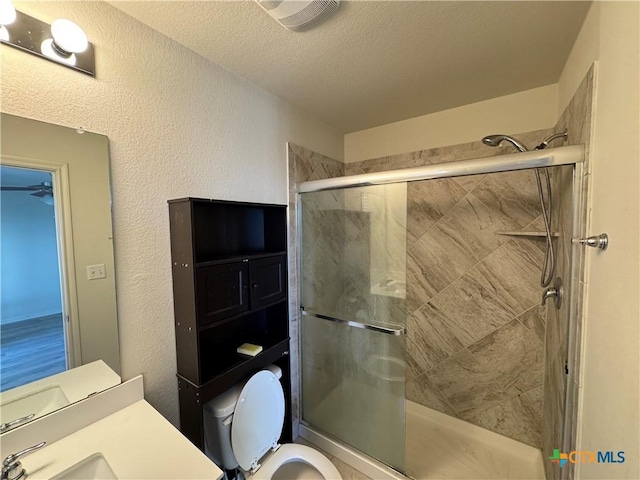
[229,266]
[223,291]
[268,280]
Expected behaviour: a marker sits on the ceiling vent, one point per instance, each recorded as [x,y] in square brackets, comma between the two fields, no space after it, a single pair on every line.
[299,15]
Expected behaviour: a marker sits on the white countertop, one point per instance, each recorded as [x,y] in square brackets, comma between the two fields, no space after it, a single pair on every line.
[137,442]
[75,384]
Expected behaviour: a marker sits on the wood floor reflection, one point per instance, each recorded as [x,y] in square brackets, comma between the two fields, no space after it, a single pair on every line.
[30,350]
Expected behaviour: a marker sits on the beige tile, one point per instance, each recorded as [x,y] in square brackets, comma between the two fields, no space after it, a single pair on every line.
[471,226]
[421,390]
[534,320]
[519,418]
[512,274]
[393,162]
[512,356]
[427,202]
[433,262]
[512,194]
[462,237]
[467,386]
[434,335]
[472,307]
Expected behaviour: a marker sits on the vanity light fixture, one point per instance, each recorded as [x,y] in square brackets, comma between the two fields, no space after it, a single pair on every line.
[63,42]
[7,17]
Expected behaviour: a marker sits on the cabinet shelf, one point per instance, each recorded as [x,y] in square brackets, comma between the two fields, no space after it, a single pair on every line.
[229,266]
[238,317]
[237,258]
[242,367]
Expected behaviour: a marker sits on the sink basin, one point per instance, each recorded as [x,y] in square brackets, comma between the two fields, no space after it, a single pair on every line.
[40,402]
[94,467]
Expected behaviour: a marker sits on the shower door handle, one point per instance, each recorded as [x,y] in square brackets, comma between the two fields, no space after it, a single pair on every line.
[387,328]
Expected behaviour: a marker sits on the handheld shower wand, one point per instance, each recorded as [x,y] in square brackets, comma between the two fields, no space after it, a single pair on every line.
[496,140]
[549,265]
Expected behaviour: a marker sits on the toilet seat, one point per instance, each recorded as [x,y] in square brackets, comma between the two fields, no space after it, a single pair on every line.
[291,452]
[255,412]
[258,419]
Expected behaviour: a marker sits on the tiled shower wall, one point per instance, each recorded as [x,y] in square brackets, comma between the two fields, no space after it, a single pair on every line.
[559,402]
[304,165]
[475,337]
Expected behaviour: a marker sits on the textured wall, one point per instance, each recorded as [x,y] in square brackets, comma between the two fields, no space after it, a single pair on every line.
[475,336]
[178,126]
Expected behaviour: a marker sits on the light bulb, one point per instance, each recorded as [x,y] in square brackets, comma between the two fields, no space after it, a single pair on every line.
[47,50]
[68,36]
[7,12]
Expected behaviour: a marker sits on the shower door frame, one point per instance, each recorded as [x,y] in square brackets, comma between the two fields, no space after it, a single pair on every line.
[573,155]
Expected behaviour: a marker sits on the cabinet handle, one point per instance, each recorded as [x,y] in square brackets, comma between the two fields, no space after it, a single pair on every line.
[255,285]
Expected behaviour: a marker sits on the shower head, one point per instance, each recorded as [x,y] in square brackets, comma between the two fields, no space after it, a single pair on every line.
[496,140]
[550,139]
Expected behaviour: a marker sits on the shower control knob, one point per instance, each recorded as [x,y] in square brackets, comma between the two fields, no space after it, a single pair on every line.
[554,292]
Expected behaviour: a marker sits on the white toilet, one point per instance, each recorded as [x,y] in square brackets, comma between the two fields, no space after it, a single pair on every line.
[242,427]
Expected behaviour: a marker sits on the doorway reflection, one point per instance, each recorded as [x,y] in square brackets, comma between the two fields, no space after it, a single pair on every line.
[32,333]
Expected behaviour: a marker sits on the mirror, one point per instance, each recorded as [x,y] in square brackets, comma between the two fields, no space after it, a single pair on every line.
[58,325]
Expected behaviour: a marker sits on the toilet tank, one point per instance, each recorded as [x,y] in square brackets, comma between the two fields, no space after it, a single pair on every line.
[218,416]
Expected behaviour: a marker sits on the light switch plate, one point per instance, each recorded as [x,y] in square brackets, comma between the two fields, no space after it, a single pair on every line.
[96,271]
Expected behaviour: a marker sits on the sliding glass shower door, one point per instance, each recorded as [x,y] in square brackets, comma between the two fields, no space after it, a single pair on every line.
[353,281]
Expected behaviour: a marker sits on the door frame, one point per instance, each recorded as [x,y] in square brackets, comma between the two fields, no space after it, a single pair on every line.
[64,234]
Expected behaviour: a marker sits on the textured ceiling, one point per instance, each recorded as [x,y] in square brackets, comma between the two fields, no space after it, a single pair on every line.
[374,63]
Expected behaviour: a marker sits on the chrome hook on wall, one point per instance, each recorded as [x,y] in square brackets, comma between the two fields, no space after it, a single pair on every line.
[597,241]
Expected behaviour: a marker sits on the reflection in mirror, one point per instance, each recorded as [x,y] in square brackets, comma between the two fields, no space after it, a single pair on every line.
[57,278]
[38,398]
[33,333]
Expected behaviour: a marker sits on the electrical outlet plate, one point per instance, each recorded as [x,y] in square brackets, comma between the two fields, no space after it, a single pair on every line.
[96,271]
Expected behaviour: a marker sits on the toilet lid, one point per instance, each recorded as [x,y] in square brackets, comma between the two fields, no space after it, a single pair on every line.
[258,418]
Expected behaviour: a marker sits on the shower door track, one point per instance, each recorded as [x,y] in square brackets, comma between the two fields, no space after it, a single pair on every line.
[551,157]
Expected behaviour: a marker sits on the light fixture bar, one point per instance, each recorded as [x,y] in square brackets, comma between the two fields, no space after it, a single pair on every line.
[28,34]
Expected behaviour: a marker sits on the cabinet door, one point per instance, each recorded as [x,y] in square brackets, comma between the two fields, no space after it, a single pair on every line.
[222,291]
[268,281]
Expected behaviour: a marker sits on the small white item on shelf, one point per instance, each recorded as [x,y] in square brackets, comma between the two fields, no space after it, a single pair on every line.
[249,349]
